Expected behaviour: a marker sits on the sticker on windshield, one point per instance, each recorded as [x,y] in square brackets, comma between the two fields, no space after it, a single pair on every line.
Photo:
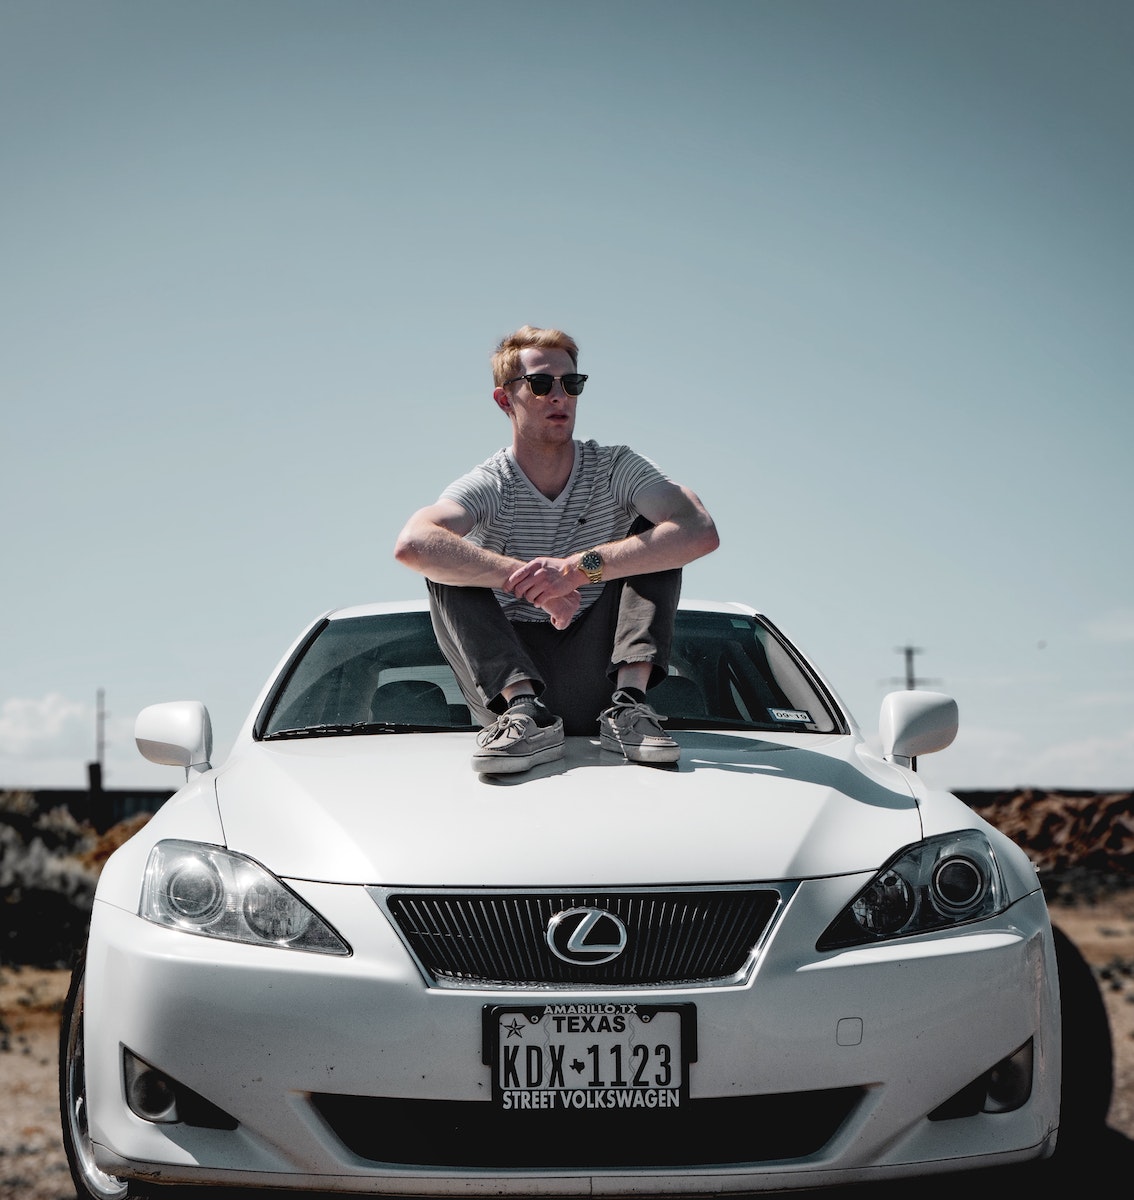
[790,714]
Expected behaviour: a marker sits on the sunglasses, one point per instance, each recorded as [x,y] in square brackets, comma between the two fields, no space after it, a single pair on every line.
[541,385]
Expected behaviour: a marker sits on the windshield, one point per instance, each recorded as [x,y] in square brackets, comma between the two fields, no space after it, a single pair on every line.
[385,673]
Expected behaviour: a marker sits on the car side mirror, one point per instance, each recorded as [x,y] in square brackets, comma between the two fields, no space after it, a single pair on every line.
[913,723]
[177,734]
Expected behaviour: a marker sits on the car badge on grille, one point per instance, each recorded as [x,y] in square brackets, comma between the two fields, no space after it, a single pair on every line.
[586,936]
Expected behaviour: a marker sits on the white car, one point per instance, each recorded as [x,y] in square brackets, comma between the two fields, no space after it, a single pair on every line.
[343,961]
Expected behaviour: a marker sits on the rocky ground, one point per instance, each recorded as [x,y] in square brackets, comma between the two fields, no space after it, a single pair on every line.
[1087,864]
[32,1164]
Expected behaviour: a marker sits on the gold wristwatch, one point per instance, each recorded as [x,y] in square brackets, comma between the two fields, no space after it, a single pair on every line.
[591,566]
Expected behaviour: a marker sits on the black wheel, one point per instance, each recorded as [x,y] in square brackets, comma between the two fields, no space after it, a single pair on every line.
[91,1183]
[1088,1053]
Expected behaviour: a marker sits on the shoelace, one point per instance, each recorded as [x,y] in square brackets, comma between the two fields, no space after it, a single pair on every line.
[624,713]
[506,723]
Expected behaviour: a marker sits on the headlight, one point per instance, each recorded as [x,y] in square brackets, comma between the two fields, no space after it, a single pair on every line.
[941,882]
[209,891]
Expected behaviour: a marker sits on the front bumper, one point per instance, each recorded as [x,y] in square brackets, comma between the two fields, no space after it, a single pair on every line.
[345,1074]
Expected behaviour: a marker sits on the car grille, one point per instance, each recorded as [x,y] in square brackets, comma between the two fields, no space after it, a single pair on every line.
[440,1133]
[475,939]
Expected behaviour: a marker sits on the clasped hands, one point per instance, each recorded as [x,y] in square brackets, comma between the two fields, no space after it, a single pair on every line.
[550,584]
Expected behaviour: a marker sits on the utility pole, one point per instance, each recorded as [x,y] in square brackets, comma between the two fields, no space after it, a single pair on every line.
[911,680]
[98,801]
[94,769]
[100,728]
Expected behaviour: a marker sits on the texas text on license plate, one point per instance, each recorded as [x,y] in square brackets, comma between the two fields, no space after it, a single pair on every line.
[554,1057]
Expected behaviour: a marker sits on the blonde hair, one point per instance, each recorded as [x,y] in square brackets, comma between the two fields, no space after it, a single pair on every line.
[506,360]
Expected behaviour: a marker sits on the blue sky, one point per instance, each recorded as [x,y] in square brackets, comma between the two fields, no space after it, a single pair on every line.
[857,271]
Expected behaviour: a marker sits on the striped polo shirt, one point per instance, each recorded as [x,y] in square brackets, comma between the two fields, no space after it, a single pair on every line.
[513,517]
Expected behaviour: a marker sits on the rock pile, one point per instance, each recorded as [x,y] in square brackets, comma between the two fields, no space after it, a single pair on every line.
[46,889]
[1080,841]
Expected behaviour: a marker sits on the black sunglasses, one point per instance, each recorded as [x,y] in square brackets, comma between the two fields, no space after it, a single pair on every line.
[541,385]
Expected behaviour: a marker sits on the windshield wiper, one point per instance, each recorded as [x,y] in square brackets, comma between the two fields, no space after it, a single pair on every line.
[305,731]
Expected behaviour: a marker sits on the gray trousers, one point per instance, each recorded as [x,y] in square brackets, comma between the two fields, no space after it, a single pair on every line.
[574,669]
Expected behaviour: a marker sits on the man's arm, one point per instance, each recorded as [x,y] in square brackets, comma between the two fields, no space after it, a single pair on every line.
[682,531]
[433,542]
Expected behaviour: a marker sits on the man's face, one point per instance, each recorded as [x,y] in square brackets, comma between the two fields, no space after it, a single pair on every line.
[546,419]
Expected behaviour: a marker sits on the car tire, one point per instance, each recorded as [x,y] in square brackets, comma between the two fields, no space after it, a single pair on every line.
[91,1183]
[1088,1052]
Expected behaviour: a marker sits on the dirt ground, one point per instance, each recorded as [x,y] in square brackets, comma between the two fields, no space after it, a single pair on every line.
[32,1163]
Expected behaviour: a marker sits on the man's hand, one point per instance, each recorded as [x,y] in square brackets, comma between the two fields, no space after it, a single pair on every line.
[563,610]
[544,579]
[548,583]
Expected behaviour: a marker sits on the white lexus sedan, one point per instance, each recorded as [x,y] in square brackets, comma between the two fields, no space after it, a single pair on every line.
[343,961]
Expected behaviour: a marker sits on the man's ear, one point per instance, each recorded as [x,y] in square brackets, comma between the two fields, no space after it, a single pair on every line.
[502,401]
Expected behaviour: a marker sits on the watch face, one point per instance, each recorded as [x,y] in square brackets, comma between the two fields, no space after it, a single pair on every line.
[591,561]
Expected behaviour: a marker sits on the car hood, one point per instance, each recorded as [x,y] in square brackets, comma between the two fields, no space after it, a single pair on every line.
[407,809]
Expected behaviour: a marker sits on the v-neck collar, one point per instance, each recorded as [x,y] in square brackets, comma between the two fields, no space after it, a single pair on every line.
[559,500]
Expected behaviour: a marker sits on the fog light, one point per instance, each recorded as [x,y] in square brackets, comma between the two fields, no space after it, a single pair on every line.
[1001,1089]
[149,1093]
[155,1096]
[1010,1082]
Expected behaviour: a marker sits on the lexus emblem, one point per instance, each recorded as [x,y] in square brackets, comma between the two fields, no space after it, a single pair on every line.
[586,937]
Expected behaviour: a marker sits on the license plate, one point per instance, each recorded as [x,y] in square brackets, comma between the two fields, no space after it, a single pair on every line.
[555,1057]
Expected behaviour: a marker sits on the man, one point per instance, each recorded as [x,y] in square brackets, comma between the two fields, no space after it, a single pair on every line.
[554,570]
